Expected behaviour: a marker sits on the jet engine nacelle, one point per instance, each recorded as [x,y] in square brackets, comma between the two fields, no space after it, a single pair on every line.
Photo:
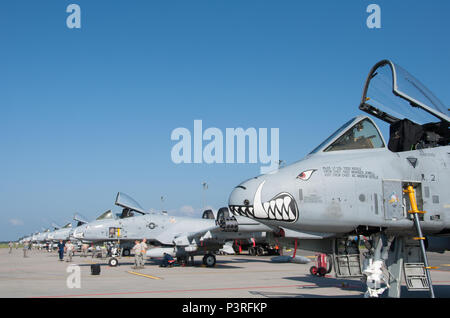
[208,214]
[437,244]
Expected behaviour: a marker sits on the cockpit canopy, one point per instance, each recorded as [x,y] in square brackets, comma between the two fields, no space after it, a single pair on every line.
[392,94]
[417,117]
[128,204]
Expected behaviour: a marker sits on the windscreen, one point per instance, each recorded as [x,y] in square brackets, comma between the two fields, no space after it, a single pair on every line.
[106,215]
[337,132]
[363,135]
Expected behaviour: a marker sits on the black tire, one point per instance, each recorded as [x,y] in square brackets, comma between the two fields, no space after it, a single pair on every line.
[313,270]
[259,251]
[251,251]
[209,260]
[113,262]
[322,271]
[182,260]
[126,252]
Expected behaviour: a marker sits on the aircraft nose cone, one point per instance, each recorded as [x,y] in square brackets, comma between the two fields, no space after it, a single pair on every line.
[242,197]
[247,200]
[239,196]
[78,234]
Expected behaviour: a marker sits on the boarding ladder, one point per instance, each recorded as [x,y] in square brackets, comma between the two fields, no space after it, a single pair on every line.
[414,271]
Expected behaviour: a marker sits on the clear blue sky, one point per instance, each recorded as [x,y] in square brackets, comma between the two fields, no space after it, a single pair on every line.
[86,113]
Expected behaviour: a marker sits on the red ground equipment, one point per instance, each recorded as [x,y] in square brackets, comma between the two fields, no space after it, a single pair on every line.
[322,266]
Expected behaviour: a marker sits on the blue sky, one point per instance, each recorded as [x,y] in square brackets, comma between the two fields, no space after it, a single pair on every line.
[89,112]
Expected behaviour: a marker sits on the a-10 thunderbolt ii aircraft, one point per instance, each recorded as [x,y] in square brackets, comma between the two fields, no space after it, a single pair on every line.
[181,237]
[60,234]
[354,184]
[130,209]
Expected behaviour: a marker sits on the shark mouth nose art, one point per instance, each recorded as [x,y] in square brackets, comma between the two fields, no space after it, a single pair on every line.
[282,207]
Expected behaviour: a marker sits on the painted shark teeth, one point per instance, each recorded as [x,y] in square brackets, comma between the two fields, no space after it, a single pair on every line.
[281,208]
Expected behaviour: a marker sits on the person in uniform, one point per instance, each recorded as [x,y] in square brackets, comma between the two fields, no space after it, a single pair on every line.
[61,250]
[10,247]
[166,259]
[84,249]
[137,251]
[25,248]
[69,250]
[144,248]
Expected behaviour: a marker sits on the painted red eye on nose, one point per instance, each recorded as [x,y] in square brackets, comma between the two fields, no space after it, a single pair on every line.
[305,175]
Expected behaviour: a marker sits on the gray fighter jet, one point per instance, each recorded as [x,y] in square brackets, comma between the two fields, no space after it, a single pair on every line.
[181,237]
[60,234]
[355,185]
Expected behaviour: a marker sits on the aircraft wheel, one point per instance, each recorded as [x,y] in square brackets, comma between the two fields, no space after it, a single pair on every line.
[314,270]
[322,271]
[209,260]
[259,251]
[251,251]
[126,252]
[113,262]
[182,260]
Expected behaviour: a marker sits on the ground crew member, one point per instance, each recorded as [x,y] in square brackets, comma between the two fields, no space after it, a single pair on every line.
[61,250]
[137,251]
[69,250]
[144,248]
[84,249]
[17,245]
[10,247]
[25,248]
[166,260]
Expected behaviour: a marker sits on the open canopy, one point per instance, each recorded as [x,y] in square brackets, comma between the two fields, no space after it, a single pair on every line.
[393,94]
[80,219]
[125,201]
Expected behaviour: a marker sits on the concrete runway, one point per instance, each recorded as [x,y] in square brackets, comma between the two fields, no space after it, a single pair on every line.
[234,276]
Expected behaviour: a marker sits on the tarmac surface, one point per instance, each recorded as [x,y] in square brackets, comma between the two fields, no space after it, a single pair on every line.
[41,275]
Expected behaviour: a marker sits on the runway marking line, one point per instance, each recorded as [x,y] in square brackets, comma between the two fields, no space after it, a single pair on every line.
[144,275]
